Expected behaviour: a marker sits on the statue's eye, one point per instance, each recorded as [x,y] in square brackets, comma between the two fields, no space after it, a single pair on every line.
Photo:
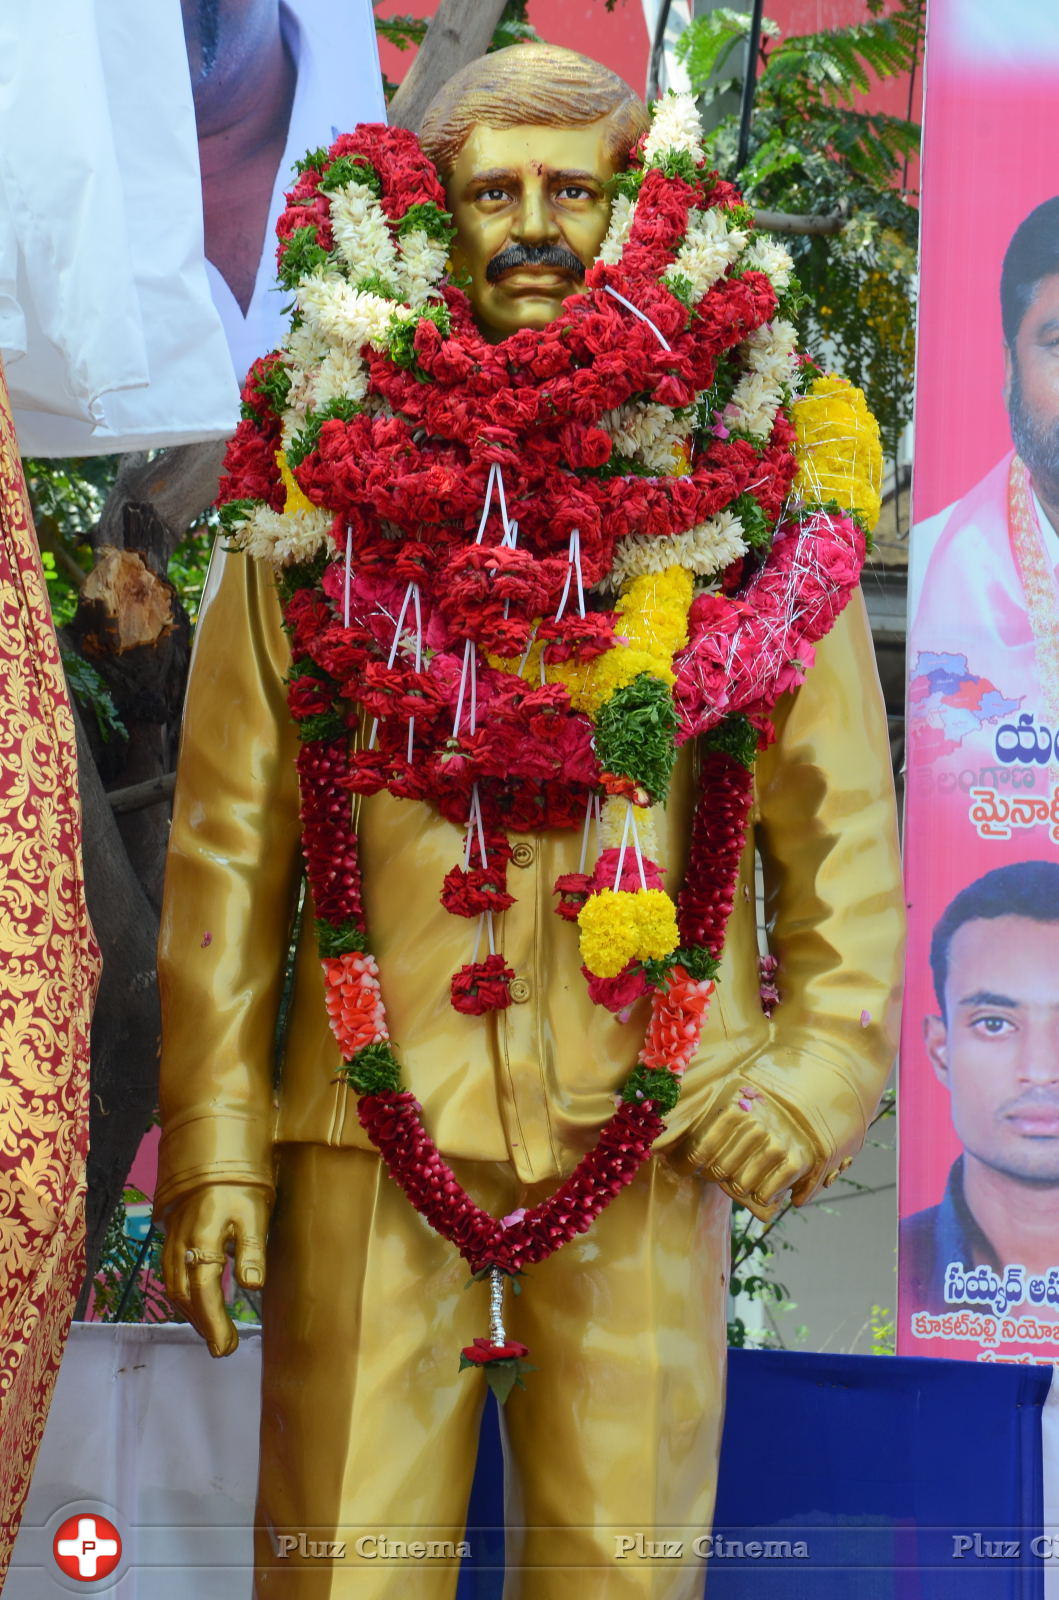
[493,194]
[575,191]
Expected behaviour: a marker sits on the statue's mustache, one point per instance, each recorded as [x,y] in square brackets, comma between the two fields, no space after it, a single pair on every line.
[535,255]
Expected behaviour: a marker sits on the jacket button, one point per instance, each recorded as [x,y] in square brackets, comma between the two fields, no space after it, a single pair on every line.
[522,854]
[520,990]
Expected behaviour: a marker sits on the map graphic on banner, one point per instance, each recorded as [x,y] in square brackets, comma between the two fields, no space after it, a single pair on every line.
[979,1099]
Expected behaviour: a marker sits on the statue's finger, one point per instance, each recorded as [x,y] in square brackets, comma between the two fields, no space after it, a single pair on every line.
[175,1272]
[209,1313]
[249,1257]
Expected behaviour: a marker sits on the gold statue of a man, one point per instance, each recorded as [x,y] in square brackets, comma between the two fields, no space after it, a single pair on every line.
[368,1432]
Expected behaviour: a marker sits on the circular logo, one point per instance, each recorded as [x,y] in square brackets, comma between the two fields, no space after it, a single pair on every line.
[87,1547]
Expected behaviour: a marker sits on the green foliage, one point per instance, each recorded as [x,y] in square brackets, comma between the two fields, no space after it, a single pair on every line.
[400,336]
[307,438]
[90,691]
[351,169]
[66,497]
[373,1070]
[128,1283]
[635,734]
[757,530]
[695,959]
[737,736]
[336,939]
[430,219]
[754,1251]
[883,1329]
[300,255]
[653,1083]
[815,150]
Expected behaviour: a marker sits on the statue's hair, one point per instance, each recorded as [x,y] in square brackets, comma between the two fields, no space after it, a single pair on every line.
[540,84]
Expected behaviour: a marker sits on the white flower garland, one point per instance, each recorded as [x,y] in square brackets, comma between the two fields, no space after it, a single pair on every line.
[652,434]
[704,550]
[709,249]
[617,237]
[675,126]
[283,537]
[343,315]
[770,374]
[362,234]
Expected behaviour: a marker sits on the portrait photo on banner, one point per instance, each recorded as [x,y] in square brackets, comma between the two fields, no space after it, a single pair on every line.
[979,1098]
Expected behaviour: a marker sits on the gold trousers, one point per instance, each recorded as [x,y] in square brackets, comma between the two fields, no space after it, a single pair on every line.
[369,1431]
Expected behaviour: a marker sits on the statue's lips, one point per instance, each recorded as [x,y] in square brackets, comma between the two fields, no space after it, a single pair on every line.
[528,279]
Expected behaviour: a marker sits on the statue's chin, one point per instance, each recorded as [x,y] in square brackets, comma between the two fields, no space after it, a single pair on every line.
[527,311]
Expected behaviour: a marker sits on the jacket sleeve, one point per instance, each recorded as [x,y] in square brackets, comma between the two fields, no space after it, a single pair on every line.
[230,889]
[826,830]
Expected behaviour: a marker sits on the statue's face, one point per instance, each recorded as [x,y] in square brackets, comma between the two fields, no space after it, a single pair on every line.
[531,207]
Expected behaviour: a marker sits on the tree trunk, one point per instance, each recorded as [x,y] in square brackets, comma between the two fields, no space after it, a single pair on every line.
[124,1088]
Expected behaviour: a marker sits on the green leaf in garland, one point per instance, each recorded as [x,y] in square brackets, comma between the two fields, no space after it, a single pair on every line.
[698,962]
[636,734]
[351,169]
[757,530]
[375,283]
[681,287]
[307,438]
[653,1083]
[627,184]
[273,384]
[737,737]
[372,1070]
[299,575]
[425,217]
[325,725]
[739,216]
[678,164]
[301,255]
[234,513]
[792,302]
[339,938]
[312,158]
[400,337]
[695,959]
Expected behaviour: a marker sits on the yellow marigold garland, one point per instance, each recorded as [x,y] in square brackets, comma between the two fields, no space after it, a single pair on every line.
[838,448]
[619,926]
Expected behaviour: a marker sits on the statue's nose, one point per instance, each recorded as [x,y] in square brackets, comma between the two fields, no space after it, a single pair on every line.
[535,222]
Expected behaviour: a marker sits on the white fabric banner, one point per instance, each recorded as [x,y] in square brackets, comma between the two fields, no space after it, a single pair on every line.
[149,1431]
[106,324]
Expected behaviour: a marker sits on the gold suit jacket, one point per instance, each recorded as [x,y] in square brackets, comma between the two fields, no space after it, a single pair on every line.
[530,1085]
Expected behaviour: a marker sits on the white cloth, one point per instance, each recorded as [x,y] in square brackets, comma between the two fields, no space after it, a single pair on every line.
[106,323]
[149,1431]
[335,52]
[673,73]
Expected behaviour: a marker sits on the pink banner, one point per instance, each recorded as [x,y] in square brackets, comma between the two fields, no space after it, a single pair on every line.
[979,1098]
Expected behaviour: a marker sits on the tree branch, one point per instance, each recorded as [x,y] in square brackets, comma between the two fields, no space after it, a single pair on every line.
[137,796]
[791,222]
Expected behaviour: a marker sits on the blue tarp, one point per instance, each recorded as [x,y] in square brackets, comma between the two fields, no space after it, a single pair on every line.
[903,1479]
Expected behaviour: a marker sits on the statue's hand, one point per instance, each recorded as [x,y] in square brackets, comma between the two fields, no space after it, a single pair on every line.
[752,1146]
[200,1229]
